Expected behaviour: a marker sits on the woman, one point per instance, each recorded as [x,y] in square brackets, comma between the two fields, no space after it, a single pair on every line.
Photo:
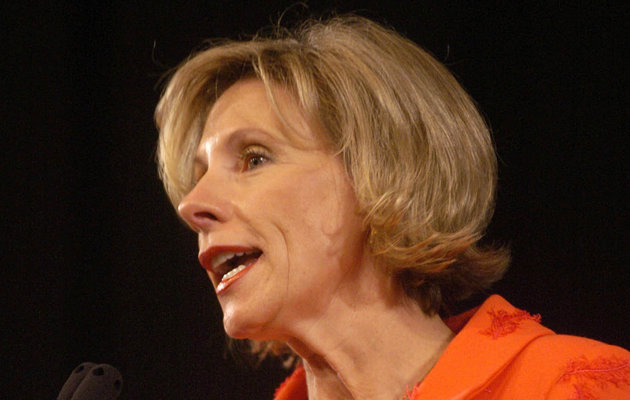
[339,179]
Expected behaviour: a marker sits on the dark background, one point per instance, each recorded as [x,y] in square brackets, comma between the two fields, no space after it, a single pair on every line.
[96,266]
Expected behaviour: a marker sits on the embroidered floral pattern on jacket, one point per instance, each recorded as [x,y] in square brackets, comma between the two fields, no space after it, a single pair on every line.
[588,375]
[504,323]
[411,395]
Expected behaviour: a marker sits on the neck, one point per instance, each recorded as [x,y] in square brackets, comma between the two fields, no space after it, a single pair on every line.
[368,346]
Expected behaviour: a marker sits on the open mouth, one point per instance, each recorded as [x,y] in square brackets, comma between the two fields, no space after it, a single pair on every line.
[229,264]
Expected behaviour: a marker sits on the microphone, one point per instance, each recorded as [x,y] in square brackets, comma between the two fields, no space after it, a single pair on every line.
[90,381]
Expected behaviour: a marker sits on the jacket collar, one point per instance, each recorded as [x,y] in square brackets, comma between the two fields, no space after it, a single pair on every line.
[490,340]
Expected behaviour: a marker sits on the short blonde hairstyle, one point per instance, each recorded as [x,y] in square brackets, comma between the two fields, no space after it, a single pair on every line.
[416,149]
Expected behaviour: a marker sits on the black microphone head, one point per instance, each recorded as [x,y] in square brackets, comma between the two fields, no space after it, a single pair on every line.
[95,382]
[73,381]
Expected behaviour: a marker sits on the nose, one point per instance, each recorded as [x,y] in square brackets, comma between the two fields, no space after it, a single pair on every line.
[204,207]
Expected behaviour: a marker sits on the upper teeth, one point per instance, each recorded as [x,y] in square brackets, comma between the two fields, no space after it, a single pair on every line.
[223,257]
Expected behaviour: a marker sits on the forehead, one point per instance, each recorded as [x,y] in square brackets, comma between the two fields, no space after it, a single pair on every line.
[249,104]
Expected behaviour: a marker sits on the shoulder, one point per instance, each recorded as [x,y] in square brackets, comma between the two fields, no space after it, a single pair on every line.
[569,367]
[503,352]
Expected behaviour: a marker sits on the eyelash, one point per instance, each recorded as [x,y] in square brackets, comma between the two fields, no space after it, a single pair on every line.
[252,153]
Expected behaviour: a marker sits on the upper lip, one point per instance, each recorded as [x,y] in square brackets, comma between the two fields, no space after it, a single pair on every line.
[212,258]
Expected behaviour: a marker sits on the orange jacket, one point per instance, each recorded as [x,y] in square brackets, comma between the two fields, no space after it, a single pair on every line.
[501,352]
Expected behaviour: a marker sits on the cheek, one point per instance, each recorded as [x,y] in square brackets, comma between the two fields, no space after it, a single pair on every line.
[318,215]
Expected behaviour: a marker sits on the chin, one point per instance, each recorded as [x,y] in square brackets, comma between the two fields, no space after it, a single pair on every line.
[239,326]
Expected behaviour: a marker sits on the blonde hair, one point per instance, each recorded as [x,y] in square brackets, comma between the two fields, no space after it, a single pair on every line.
[417,151]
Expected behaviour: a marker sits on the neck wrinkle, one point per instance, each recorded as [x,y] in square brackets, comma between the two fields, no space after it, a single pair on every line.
[374,354]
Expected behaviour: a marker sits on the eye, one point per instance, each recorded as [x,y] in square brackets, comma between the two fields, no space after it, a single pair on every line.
[253,158]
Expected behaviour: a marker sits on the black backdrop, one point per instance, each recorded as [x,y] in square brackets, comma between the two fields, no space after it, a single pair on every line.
[96,267]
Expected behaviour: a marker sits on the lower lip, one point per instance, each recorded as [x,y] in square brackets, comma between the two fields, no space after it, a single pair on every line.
[223,285]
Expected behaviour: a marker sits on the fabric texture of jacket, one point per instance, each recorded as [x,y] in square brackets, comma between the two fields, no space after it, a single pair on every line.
[501,352]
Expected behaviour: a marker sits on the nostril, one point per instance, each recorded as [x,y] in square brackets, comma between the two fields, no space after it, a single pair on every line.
[201,212]
[204,215]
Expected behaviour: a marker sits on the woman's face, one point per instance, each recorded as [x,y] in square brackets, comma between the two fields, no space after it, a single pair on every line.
[276,216]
